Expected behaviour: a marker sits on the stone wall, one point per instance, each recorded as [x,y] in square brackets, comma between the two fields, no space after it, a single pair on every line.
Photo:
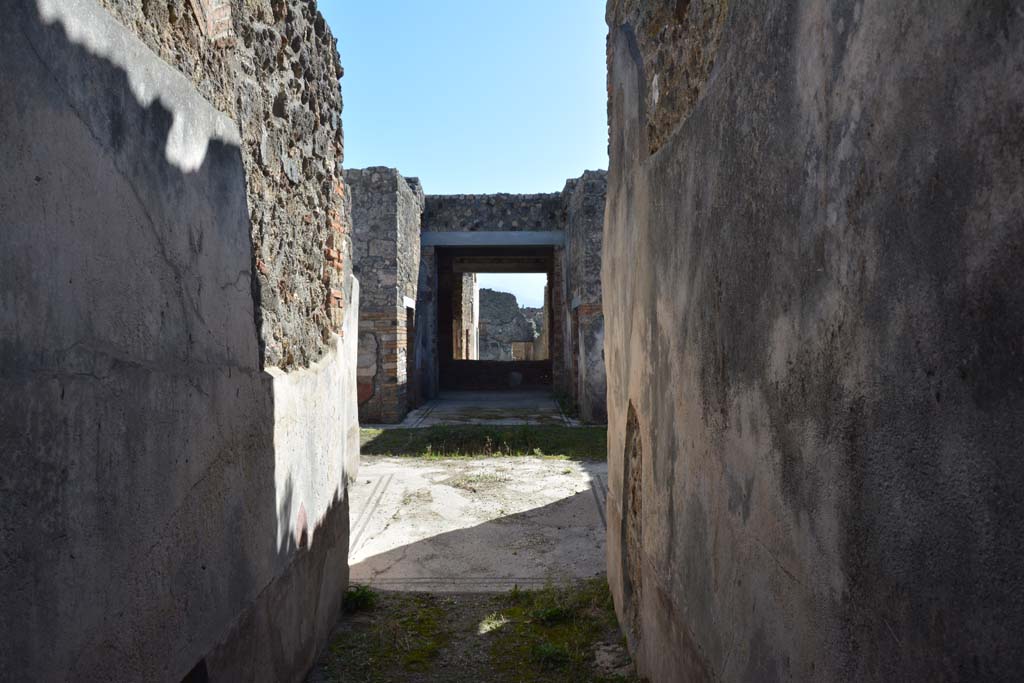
[386,210]
[466,318]
[677,43]
[538,318]
[813,339]
[375,221]
[173,502]
[573,303]
[471,212]
[502,323]
[410,214]
[426,338]
[535,316]
[542,344]
[279,82]
[386,246]
[584,199]
[562,375]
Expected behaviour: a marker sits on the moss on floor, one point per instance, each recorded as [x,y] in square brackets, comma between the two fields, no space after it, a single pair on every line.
[549,441]
[389,640]
[550,634]
[540,636]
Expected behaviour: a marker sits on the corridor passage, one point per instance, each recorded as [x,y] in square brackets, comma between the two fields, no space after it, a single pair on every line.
[477,553]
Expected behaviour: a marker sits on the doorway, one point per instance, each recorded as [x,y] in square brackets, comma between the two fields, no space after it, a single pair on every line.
[487,341]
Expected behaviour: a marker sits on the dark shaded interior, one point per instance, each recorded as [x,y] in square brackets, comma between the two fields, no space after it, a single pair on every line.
[456,374]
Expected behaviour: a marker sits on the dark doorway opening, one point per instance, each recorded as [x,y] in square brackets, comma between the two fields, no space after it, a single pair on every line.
[460,366]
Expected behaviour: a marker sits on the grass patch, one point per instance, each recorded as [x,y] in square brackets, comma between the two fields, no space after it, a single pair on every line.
[543,636]
[358,598]
[547,441]
[404,636]
[549,655]
[550,634]
[551,614]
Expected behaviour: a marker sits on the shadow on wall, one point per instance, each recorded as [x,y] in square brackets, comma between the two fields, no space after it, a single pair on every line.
[145,524]
[821,335]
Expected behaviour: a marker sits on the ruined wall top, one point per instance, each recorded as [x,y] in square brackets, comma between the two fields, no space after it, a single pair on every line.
[584,200]
[502,322]
[409,212]
[534,316]
[677,43]
[278,80]
[381,181]
[386,210]
[501,312]
[469,212]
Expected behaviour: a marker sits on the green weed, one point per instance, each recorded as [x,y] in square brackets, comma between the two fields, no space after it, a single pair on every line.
[358,598]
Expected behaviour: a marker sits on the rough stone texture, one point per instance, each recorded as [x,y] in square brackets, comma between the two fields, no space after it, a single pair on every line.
[165,500]
[677,43]
[814,328]
[587,329]
[501,324]
[584,199]
[542,344]
[468,212]
[215,19]
[410,215]
[535,316]
[279,81]
[386,210]
[466,317]
[538,317]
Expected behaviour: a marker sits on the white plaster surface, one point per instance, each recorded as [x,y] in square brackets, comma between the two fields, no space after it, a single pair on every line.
[316,433]
[195,122]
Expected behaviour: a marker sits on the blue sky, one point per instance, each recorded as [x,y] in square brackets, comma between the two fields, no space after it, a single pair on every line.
[528,287]
[475,96]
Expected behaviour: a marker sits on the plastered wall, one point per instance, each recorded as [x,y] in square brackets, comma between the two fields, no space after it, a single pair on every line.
[171,501]
[813,339]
